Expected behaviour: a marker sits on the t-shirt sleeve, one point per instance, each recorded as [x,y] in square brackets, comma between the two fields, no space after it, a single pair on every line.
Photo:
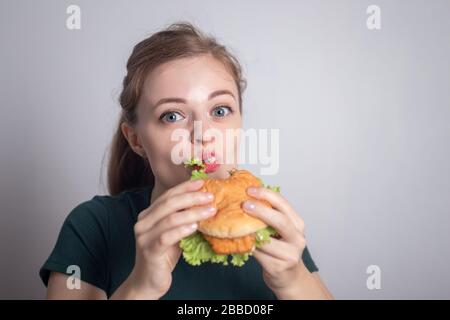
[82,244]
[308,261]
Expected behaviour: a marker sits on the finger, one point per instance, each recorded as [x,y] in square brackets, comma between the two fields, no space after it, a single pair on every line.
[281,250]
[269,263]
[273,218]
[187,186]
[159,243]
[184,217]
[278,202]
[170,205]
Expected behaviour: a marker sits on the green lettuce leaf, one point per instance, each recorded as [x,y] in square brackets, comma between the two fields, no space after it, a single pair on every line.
[194,162]
[198,174]
[239,259]
[273,188]
[263,236]
[196,250]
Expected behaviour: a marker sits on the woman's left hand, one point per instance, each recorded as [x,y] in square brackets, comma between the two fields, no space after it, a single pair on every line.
[280,258]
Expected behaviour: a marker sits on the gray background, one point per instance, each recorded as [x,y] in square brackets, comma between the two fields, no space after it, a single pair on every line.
[364,118]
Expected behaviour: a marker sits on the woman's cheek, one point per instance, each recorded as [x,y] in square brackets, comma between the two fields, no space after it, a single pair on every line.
[230,154]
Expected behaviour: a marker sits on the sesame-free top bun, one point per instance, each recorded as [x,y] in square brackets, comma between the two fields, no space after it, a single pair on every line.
[230,221]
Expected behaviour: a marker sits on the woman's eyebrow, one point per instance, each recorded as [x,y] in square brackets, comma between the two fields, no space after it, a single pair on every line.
[169,100]
[181,100]
[220,92]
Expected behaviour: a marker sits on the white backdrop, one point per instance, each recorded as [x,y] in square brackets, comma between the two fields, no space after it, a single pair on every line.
[363,118]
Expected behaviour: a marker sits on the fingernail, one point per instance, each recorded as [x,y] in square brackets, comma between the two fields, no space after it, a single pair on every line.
[198,182]
[209,210]
[248,205]
[193,226]
[252,191]
[209,195]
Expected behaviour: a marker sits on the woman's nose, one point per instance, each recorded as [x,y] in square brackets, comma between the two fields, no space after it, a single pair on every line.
[201,132]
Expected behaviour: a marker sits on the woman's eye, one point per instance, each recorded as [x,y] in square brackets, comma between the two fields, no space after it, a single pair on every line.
[171,116]
[221,111]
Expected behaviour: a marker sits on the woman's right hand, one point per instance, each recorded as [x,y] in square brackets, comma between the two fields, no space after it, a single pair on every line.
[158,231]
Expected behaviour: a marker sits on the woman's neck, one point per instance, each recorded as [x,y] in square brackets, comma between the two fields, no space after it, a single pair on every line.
[157,191]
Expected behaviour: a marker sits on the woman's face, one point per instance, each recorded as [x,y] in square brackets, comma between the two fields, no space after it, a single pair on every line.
[177,94]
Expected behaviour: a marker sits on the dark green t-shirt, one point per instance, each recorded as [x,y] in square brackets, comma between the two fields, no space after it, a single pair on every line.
[98,237]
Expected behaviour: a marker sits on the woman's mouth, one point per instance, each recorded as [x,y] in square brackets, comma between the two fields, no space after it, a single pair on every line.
[210,161]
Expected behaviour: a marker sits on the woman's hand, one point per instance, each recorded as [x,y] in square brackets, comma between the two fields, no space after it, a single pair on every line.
[280,259]
[159,229]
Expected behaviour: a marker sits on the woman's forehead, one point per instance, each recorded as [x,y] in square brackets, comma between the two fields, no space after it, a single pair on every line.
[193,78]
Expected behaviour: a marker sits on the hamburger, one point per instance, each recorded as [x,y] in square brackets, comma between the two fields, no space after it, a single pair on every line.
[231,235]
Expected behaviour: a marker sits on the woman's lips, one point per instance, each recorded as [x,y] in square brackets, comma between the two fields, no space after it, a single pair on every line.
[210,161]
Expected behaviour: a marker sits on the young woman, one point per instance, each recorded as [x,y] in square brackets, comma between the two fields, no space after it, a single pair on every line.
[126,245]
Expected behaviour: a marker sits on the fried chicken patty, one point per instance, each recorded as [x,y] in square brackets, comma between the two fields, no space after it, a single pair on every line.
[234,245]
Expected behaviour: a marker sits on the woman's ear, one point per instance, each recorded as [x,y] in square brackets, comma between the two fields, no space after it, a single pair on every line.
[133,139]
